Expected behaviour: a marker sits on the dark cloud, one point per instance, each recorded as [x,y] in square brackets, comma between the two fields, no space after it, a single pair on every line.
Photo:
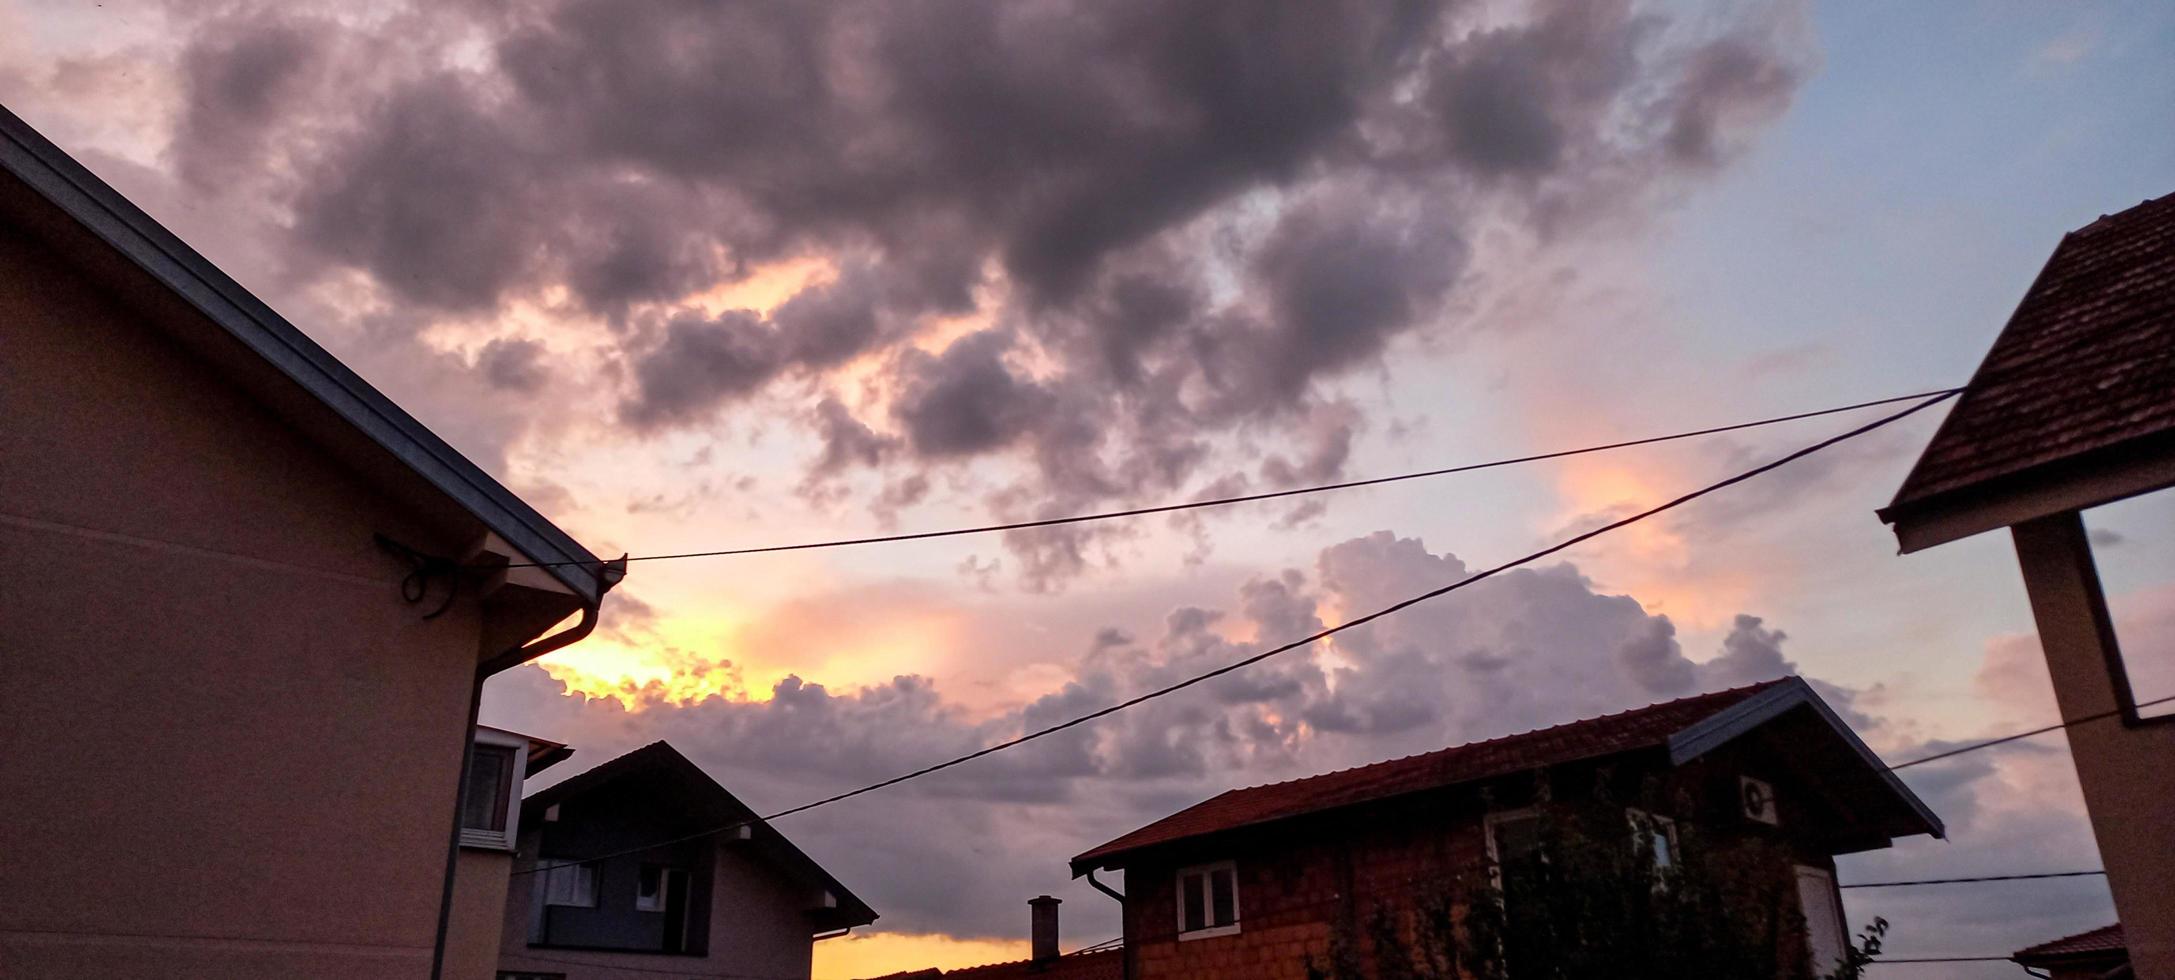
[426,197]
[966,400]
[1173,223]
[699,363]
[513,364]
[236,82]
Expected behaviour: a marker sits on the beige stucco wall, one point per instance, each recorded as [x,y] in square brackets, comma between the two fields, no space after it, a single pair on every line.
[479,907]
[2127,772]
[758,929]
[227,747]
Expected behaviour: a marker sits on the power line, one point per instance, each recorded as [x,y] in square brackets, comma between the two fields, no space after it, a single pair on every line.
[1878,960]
[1962,881]
[1245,662]
[1271,495]
[2005,739]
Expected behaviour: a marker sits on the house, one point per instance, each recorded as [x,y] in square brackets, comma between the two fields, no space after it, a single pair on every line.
[645,864]
[499,763]
[1044,962]
[253,607]
[2095,955]
[1257,882]
[2073,408]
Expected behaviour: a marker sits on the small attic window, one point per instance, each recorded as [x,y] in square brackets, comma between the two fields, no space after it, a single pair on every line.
[491,790]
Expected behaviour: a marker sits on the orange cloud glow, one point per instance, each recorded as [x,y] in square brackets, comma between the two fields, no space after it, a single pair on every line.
[879,953]
[1650,560]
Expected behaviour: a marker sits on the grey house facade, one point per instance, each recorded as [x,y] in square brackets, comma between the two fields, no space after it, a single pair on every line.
[620,873]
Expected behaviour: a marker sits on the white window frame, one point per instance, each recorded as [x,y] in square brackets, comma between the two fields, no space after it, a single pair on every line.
[1495,855]
[665,874]
[1644,821]
[554,869]
[500,840]
[1208,900]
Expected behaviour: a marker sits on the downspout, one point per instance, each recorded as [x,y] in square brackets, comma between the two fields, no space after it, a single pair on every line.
[1125,949]
[608,575]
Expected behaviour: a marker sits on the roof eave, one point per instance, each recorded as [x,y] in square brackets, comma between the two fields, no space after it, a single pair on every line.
[90,202]
[1738,719]
[2111,473]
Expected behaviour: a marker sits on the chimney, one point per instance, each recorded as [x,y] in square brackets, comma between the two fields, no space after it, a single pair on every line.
[1042,910]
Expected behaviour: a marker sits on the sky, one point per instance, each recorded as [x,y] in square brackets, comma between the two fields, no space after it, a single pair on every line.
[698,276]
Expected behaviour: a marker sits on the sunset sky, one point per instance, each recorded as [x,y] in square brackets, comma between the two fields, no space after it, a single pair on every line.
[695,276]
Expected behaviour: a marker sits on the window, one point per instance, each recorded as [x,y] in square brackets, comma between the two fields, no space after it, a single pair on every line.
[1657,832]
[491,789]
[570,884]
[658,883]
[1208,900]
[1821,904]
[490,782]
[1517,849]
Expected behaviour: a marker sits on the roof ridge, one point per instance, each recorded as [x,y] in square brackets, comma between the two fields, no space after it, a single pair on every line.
[1461,746]
[2108,221]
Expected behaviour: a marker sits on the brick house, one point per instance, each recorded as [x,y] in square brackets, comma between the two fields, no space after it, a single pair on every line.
[1255,882]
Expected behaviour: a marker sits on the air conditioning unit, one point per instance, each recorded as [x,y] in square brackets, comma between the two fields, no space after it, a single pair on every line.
[1757,799]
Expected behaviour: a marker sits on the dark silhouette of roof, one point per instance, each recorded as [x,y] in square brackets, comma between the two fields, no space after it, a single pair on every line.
[1107,964]
[1685,727]
[704,804]
[2084,368]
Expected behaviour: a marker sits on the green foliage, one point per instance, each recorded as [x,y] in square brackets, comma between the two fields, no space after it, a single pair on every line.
[1587,902]
[1855,959]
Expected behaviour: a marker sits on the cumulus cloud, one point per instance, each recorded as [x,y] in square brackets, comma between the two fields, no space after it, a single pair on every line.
[1165,227]
[1482,662]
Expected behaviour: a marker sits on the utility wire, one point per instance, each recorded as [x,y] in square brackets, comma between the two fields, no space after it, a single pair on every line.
[1245,662]
[1962,881]
[2005,739]
[1878,960]
[1271,495]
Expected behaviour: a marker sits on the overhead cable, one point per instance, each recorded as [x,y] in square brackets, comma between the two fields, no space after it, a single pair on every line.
[2006,739]
[1323,634]
[1270,495]
[1971,880]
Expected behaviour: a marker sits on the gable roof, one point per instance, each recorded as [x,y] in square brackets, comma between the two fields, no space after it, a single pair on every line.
[98,210]
[2103,943]
[706,803]
[2079,377]
[543,752]
[1686,728]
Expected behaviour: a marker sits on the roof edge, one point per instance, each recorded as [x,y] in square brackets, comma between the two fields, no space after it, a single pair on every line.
[1727,724]
[65,183]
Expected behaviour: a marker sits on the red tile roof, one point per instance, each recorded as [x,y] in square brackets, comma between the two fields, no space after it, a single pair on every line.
[2103,941]
[2087,362]
[1640,728]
